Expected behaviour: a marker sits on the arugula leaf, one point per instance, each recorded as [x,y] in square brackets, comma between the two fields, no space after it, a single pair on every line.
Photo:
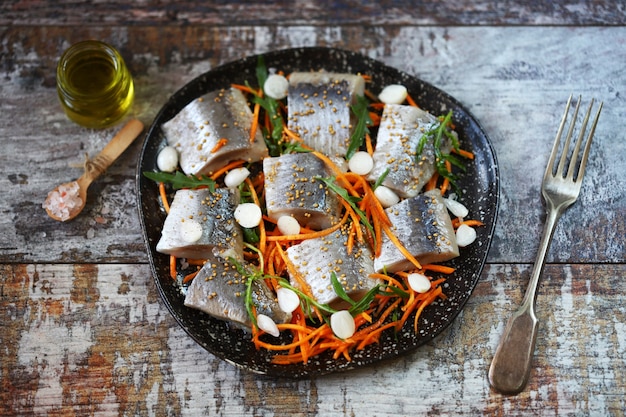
[179,180]
[380,179]
[338,288]
[360,130]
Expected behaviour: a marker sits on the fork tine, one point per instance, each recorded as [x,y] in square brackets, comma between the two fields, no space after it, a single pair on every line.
[561,169]
[585,156]
[555,147]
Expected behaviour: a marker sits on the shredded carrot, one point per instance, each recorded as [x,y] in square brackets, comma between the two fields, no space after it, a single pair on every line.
[456,222]
[438,268]
[163,195]
[227,167]
[446,181]
[255,122]
[410,100]
[244,88]
[190,277]
[432,182]
[173,267]
[368,144]
[464,153]
[219,145]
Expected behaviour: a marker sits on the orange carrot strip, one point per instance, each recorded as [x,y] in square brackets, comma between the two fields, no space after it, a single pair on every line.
[163,195]
[368,144]
[410,100]
[189,277]
[438,268]
[173,267]
[227,167]
[432,182]
[464,153]
[220,143]
[255,122]
[446,182]
[244,88]
[425,303]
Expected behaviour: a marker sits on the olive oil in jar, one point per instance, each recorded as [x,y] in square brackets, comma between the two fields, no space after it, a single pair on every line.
[94,85]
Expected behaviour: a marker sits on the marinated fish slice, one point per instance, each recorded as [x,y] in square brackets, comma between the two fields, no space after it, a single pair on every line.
[316,259]
[319,109]
[214,130]
[219,290]
[200,221]
[423,226]
[291,189]
[401,128]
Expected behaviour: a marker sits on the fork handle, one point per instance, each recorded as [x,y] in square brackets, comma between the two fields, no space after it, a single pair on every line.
[510,367]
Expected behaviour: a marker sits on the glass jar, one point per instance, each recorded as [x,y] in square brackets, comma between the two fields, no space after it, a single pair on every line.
[94,85]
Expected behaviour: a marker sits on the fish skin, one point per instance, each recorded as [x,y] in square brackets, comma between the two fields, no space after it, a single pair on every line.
[219,290]
[423,226]
[214,212]
[291,189]
[201,124]
[316,259]
[319,109]
[401,127]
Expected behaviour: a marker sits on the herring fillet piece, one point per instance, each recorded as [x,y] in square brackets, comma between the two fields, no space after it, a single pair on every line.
[214,212]
[219,290]
[401,127]
[316,259]
[291,189]
[423,226]
[319,109]
[200,125]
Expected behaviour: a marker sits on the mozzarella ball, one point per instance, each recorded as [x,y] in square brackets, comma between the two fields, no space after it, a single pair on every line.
[248,215]
[288,225]
[342,324]
[235,177]
[167,160]
[419,282]
[276,86]
[393,94]
[361,163]
[386,196]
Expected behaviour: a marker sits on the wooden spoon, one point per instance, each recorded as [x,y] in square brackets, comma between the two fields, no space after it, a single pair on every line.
[58,198]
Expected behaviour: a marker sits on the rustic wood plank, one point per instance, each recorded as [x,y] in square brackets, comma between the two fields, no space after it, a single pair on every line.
[514,91]
[300,12]
[90,339]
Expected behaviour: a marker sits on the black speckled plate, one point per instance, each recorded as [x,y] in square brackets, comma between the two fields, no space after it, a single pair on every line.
[481,192]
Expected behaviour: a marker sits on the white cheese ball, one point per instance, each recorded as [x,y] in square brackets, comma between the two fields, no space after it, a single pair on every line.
[288,225]
[386,196]
[419,282]
[465,235]
[456,208]
[235,177]
[268,325]
[167,160]
[342,324]
[361,163]
[288,299]
[248,215]
[393,94]
[276,86]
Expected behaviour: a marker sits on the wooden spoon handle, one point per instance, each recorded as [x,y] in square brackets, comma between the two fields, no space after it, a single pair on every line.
[114,148]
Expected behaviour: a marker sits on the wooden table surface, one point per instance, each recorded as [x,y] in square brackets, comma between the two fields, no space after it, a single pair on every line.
[84,331]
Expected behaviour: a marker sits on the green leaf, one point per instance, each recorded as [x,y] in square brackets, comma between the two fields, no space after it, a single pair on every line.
[179,180]
[338,288]
[360,130]
[350,199]
[380,179]
[364,303]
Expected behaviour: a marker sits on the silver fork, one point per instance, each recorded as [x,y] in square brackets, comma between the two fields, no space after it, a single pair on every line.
[510,367]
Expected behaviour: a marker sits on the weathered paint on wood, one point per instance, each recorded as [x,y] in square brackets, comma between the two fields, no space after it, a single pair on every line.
[95,339]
